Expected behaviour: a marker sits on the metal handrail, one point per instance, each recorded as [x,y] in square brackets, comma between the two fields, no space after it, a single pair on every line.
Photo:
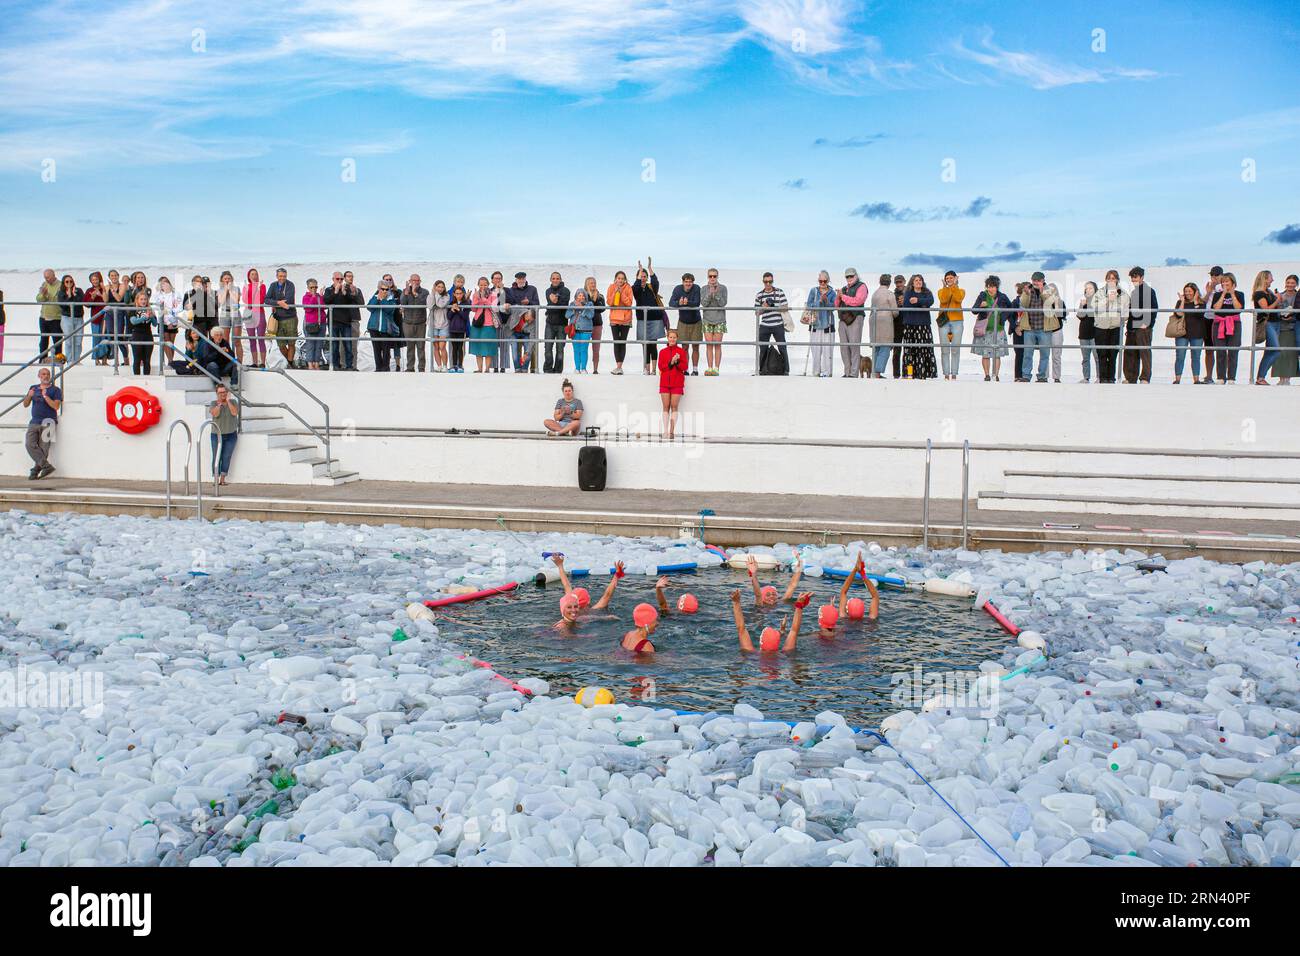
[198,464]
[325,438]
[925,501]
[167,468]
[57,369]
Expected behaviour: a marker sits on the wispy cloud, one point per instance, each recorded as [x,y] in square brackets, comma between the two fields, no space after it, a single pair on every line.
[852,142]
[1014,255]
[888,212]
[795,184]
[1177,261]
[1040,72]
[1288,235]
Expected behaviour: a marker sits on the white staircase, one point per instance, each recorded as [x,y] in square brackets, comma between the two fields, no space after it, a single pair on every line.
[1254,486]
[269,429]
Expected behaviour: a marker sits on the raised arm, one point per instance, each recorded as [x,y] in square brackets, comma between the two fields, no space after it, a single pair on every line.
[795,572]
[751,565]
[742,633]
[874,611]
[558,561]
[660,586]
[848,582]
[609,588]
[792,638]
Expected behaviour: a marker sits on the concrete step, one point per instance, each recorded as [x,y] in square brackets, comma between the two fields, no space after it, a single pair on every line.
[308,452]
[1140,488]
[262,422]
[1116,505]
[320,468]
[336,478]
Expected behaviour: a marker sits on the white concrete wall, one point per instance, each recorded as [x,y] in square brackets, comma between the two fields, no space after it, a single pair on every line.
[1240,418]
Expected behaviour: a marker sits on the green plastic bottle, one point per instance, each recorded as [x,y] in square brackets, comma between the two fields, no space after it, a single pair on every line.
[283,779]
[400,635]
[271,806]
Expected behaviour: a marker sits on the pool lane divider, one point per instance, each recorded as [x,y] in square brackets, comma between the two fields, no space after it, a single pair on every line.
[884,579]
[472,596]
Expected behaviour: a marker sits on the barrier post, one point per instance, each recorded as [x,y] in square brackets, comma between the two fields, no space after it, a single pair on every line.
[965,490]
[925,501]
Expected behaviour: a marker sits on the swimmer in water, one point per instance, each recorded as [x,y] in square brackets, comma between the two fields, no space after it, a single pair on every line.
[766,596]
[856,608]
[828,616]
[769,640]
[646,619]
[572,602]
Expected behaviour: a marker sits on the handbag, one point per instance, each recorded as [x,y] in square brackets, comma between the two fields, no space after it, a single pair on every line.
[787,322]
[1176,327]
[570,330]
[807,318]
[272,325]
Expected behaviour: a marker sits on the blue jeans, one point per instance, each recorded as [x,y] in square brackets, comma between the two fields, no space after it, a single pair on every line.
[950,355]
[523,350]
[99,348]
[1180,354]
[1272,333]
[581,346]
[880,358]
[313,347]
[342,353]
[1087,350]
[221,460]
[1042,341]
[71,338]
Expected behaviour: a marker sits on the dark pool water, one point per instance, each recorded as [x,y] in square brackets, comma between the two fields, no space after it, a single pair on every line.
[698,665]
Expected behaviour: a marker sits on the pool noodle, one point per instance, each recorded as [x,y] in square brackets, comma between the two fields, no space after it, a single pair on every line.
[474,596]
[1001,619]
[878,578]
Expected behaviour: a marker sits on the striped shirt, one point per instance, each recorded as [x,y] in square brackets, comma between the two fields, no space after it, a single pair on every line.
[770,306]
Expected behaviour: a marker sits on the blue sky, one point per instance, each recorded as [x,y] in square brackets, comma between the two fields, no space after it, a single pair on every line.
[793,132]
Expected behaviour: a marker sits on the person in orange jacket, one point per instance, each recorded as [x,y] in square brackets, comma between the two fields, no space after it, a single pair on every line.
[619,299]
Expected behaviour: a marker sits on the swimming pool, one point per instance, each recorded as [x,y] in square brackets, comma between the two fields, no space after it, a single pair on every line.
[698,665]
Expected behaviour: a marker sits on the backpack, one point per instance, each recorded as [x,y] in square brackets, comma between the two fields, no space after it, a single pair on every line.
[773,362]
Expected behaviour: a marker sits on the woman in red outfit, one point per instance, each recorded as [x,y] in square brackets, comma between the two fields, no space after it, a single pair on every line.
[672,381]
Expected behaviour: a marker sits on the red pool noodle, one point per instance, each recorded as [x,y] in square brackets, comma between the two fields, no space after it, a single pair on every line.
[1001,619]
[460,598]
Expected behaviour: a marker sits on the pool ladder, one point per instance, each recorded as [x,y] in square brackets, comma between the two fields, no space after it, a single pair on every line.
[191,445]
[965,495]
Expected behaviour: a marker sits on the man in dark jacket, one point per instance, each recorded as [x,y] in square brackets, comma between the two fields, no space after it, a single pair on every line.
[686,299]
[522,299]
[216,358]
[201,304]
[1141,318]
[343,301]
[557,299]
[280,295]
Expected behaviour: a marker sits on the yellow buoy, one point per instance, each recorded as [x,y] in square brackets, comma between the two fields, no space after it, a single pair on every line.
[592,696]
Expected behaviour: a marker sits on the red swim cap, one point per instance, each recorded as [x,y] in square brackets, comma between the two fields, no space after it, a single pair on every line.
[855,608]
[827,616]
[769,593]
[687,604]
[583,596]
[770,639]
[643,615]
[569,602]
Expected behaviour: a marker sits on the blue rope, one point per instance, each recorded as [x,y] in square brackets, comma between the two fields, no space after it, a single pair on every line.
[881,738]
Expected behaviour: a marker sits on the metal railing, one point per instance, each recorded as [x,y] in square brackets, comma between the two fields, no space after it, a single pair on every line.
[167,468]
[925,500]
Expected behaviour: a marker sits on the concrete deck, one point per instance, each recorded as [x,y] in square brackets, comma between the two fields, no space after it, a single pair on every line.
[738,519]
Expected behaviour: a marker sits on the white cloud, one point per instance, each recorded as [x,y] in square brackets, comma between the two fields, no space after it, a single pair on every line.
[1042,73]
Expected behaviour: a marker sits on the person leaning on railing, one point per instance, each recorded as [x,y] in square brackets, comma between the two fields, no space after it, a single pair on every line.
[70,317]
[1287,365]
[884,315]
[1189,330]
[854,295]
[990,311]
[1225,325]
[1109,310]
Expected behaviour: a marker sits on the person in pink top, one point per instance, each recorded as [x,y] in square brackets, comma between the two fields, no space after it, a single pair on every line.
[483,325]
[255,319]
[313,324]
[851,301]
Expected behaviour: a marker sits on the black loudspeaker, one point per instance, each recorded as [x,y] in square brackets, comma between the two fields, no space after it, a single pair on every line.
[591,468]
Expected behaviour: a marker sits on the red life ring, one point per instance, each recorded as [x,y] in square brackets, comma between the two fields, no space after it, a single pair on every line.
[133,410]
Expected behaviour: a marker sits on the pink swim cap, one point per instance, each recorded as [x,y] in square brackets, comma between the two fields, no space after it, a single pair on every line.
[643,615]
[583,596]
[569,602]
[687,604]
[855,608]
[769,593]
[770,639]
[827,616]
